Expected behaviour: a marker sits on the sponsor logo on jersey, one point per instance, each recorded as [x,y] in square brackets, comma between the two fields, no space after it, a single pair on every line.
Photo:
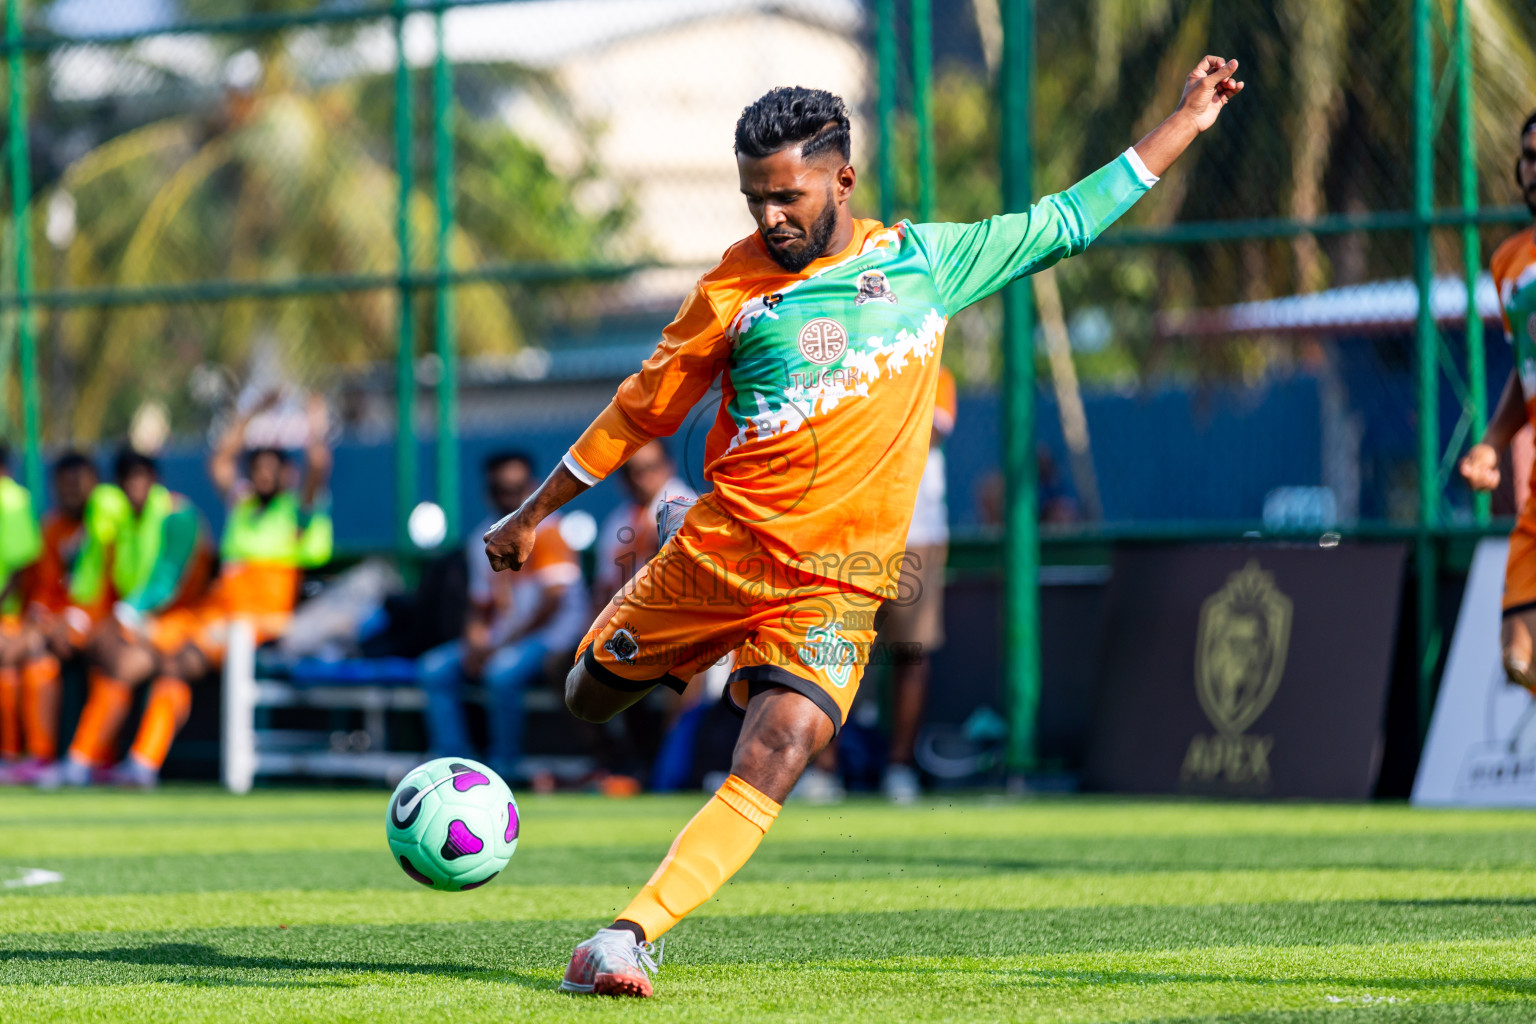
[623,645]
[873,285]
[823,340]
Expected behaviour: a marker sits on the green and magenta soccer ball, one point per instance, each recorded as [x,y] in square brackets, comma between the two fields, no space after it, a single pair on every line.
[452,824]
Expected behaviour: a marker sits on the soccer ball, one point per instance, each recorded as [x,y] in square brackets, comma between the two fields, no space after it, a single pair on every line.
[452,824]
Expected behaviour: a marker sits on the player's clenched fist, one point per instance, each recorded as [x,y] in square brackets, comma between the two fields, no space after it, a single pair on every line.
[1480,466]
[509,543]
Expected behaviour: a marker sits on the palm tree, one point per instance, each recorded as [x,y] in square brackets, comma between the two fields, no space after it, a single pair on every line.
[288,176]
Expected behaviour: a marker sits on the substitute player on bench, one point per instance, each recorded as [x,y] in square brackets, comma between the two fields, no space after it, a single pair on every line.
[276,527]
[825,333]
[1514,275]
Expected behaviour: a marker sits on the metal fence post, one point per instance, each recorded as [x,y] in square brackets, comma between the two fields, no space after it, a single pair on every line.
[21,212]
[922,105]
[1021,632]
[1427,338]
[405,352]
[1477,384]
[443,332]
[885,106]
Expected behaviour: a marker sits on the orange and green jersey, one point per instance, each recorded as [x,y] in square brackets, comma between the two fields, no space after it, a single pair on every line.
[106,514]
[161,556]
[63,537]
[20,542]
[265,548]
[828,377]
[1514,274]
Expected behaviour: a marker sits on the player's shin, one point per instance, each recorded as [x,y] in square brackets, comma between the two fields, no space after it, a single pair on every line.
[10,713]
[170,702]
[40,686]
[100,720]
[707,852]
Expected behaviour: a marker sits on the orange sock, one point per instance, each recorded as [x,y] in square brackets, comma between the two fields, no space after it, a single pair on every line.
[102,717]
[710,849]
[10,712]
[170,701]
[40,707]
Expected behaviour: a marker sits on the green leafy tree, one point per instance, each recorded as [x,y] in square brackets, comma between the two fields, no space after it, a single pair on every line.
[287,176]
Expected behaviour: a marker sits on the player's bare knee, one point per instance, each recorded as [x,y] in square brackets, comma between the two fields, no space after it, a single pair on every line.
[781,743]
[133,665]
[581,697]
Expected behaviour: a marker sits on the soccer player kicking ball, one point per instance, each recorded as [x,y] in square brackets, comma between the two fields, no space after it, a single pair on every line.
[1514,274]
[825,333]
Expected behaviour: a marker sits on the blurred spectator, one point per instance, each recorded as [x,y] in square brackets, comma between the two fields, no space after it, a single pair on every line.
[19,548]
[913,624]
[56,625]
[626,746]
[516,621]
[1053,497]
[161,561]
[627,538]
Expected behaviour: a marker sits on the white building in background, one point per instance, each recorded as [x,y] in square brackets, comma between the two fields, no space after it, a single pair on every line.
[648,91]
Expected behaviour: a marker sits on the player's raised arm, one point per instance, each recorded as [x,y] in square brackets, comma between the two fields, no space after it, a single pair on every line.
[971,261]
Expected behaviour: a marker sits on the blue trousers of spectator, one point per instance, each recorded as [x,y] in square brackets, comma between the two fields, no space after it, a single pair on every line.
[507,673]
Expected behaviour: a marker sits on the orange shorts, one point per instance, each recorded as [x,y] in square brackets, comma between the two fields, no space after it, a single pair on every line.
[1520,569]
[206,627]
[713,590]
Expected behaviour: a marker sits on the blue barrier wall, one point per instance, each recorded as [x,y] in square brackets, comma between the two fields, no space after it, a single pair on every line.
[1172,454]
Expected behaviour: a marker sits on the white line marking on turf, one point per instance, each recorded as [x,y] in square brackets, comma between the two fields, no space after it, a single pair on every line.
[34,876]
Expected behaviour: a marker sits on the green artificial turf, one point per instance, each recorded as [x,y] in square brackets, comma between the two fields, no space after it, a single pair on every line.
[191,905]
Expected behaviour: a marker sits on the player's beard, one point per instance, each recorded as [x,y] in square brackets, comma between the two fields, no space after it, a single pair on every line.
[815,244]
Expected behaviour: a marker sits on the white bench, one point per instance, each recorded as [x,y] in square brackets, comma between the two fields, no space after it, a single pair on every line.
[248,751]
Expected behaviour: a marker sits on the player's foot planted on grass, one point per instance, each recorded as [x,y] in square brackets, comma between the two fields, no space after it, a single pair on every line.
[614,962]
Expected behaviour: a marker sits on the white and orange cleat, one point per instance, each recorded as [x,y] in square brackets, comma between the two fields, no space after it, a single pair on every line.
[612,963]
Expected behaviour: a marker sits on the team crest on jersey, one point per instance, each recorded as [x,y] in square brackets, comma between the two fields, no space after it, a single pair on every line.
[823,340]
[623,645]
[873,285]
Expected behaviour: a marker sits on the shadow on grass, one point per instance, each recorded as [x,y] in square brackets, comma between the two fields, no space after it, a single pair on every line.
[200,956]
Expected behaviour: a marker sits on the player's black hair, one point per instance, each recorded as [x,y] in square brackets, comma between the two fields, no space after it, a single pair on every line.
[5,454]
[280,454]
[72,459]
[130,461]
[814,119]
[496,460]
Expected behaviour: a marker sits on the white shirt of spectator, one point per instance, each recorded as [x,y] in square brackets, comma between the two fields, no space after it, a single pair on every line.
[566,626]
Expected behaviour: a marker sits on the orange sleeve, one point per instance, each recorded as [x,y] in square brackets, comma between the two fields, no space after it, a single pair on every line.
[1497,269]
[653,402]
[945,403]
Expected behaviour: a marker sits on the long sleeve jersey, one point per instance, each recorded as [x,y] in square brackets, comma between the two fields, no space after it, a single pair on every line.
[827,377]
